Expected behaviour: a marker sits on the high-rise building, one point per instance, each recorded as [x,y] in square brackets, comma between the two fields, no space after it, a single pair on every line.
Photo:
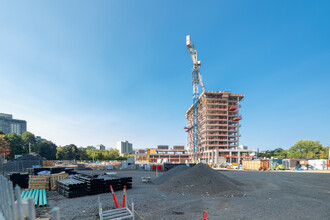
[9,125]
[124,147]
[218,128]
[100,147]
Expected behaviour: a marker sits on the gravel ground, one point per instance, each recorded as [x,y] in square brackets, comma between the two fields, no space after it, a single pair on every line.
[269,195]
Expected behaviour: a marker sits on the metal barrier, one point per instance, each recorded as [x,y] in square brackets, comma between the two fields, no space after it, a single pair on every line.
[11,209]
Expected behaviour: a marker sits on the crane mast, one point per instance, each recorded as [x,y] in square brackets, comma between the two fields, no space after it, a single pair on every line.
[196,80]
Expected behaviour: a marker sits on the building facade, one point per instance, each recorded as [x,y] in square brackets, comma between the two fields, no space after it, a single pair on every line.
[124,147]
[162,154]
[9,125]
[218,128]
[100,147]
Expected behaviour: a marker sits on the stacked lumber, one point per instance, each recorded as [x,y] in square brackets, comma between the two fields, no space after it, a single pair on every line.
[39,182]
[47,163]
[55,177]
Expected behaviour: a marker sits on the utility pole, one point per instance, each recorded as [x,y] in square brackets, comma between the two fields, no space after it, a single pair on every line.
[29,148]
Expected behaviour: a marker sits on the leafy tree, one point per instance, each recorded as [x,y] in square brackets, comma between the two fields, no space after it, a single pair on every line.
[266,153]
[70,152]
[60,155]
[82,154]
[30,139]
[4,146]
[16,144]
[47,149]
[113,154]
[306,149]
[279,153]
[324,154]
[2,133]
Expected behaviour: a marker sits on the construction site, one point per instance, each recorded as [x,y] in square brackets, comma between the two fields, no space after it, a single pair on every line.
[213,177]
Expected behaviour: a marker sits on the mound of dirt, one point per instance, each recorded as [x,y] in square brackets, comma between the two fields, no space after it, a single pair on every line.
[202,180]
[169,174]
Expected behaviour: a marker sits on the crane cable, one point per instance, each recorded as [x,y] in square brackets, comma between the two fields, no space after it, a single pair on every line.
[135,211]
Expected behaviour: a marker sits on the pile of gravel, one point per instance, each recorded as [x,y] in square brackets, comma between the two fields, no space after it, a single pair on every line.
[169,174]
[204,181]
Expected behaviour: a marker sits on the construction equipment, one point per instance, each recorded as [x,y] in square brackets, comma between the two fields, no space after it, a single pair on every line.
[196,80]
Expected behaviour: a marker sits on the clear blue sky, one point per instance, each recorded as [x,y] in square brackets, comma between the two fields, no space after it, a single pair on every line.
[92,72]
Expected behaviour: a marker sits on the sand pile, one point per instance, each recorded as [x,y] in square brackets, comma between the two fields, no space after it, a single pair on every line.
[202,180]
[169,174]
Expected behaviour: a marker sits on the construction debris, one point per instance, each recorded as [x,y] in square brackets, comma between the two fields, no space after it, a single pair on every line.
[202,180]
[169,174]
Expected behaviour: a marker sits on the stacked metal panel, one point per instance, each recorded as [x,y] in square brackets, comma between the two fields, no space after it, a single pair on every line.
[71,188]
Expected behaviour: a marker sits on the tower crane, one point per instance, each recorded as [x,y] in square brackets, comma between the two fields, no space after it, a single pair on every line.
[196,80]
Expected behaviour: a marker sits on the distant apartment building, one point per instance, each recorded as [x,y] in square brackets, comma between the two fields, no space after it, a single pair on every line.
[124,147]
[100,147]
[40,139]
[9,125]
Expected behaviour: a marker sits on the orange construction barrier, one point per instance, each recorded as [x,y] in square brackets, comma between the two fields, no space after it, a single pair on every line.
[124,197]
[204,215]
[114,196]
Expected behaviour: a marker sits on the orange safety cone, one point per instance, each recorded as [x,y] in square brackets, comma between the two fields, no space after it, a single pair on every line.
[124,197]
[114,196]
[204,215]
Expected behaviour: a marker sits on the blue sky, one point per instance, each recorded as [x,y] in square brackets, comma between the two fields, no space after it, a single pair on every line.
[95,72]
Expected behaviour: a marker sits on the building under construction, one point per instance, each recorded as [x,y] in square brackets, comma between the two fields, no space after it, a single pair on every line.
[218,128]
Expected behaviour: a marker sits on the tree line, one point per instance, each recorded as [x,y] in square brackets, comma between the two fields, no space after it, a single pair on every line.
[303,149]
[15,144]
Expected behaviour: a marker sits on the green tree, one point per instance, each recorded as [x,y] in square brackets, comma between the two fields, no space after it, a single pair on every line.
[82,153]
[279,153]
[2,133]
[16,144]
[60,155]
[47,149]
[306,149]
[113,154]
[4,146]
[30,139]
[71,152]
[324,154]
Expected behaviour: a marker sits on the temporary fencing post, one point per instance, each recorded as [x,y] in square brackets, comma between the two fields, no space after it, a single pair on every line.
[55,213]
[204,215]
[11,197]
[19,202]
[100,208]
[32,214]
[114,196]
[133,211]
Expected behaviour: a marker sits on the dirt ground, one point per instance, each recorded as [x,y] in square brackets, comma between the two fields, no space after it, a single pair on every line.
[269,195]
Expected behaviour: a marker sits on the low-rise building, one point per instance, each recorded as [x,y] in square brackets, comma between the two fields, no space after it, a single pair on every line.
[162,154]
